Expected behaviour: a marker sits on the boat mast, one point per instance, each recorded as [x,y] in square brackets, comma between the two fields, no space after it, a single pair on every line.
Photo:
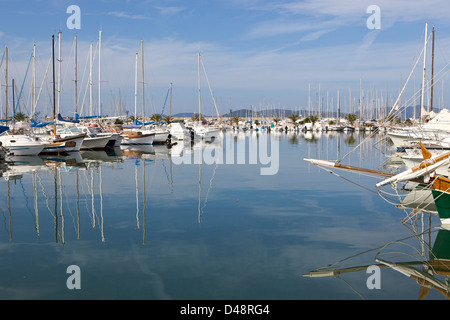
[432,71]
[170,109]
[6,82]
[199,93]
[99,72]
[59,71]
[135,88]
[143,98]
[422,110]
[54,99]
[76,76]
[33,82]
[90,79]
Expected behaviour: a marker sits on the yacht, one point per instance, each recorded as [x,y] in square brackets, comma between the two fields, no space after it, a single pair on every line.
[21,144]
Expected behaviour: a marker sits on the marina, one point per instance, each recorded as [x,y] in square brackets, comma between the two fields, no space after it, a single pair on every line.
[311,167]
[141,226]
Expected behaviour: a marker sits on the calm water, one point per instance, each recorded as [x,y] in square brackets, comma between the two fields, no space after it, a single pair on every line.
[141,225]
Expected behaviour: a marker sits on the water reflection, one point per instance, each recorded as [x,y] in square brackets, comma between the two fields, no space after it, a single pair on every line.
[423,256]
[137,205]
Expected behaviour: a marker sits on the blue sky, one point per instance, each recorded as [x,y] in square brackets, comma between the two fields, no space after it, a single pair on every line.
[259,53]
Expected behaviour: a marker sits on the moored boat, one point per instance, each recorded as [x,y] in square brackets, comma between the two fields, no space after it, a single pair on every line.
[21,144]
[136,137]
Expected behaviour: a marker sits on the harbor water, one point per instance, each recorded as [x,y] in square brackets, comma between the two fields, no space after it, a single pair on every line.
[138,223]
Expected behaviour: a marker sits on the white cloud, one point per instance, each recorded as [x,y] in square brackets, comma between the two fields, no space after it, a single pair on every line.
[122,14]
[169,10]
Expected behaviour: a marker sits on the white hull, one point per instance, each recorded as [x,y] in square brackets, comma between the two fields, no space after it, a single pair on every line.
[94,143]
[179,131]
[58,145]
[206,133]
[22,145]
[159,136]
[143,139]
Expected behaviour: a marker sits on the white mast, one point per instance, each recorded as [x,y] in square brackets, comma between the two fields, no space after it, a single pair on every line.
[143,99]
[76,76]
[199,93]
[90,79]
[422,109]
[59,71]
[99,72]
[33,85]
[6,82]
[135,87]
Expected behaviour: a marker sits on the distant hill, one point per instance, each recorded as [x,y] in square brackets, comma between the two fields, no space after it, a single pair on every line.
[281,113]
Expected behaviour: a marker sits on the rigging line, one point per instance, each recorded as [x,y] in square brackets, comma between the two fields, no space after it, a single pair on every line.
[209,188]
[357,184]
[45,195]
[21,89]
[353,289]
[212,95]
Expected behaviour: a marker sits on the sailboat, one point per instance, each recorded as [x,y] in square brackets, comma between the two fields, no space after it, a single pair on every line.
[54,142]
[136,136]
[20,144]
[201,132]
[436,129]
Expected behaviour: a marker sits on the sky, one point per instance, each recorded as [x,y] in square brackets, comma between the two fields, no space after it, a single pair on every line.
[258,54]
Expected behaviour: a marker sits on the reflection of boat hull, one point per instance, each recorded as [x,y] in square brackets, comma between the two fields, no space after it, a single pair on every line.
[136,151]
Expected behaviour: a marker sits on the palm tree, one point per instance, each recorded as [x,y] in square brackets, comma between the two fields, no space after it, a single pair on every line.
[196,118]
[276,120]
[293,118]
[168,119]
[351,117]
[156,117]
[19,116]
[235,120]
[313,119]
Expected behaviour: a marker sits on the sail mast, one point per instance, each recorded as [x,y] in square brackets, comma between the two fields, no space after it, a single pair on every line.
[432,71]
[90,80]
[6,82]
[422,110]
[143,98]
[33,82]
[59,71]
[54,98]
[199,93]
[76,76]
[99,72]
[135,88]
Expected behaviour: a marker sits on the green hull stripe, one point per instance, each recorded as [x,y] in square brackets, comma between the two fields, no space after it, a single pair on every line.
[442,202]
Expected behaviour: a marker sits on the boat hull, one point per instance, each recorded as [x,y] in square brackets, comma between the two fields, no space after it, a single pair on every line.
[20,145]
[62,145]
[137,139]
[94,143]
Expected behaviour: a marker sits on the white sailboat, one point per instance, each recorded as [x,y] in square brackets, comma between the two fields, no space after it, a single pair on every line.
[202,132]
[138,136]
[54,142]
